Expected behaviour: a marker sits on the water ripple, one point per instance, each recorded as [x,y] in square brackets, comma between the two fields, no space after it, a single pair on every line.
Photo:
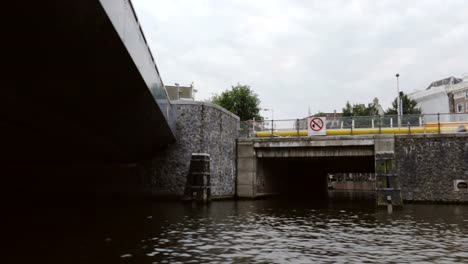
[305,236]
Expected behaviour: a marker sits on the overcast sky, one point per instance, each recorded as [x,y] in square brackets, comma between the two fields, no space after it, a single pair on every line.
[301,54]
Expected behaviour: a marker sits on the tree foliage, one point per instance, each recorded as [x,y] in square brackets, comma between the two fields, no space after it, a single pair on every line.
[359,110]
[240,100]
[320,113]
[409,107]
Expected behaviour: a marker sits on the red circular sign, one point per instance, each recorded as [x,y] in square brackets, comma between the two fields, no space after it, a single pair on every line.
[316,124]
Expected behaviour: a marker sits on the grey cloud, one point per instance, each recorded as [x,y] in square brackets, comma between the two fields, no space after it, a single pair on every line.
[300,53]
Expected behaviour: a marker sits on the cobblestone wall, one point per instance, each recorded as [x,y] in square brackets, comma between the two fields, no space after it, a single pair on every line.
[201,128]
[428,165]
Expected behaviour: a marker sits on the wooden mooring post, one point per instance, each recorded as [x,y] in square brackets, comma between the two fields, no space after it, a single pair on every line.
[198,185]
[386,177]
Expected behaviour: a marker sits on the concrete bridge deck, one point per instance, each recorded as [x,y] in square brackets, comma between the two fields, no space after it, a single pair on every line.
[81,85]
[82,99]
[330,146]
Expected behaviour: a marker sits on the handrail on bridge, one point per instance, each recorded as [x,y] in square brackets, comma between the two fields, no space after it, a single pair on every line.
[359,125]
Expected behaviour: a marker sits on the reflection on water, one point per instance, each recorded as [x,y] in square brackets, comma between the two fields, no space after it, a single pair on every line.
[261,231]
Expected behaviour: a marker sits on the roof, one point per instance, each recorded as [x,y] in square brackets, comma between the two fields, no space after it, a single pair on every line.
[448,80]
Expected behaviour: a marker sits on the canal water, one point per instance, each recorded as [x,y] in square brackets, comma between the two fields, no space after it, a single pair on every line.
[343,229]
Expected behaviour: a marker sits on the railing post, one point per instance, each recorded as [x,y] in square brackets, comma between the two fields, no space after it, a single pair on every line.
[409,128]
[391,121]
[271,128]
[253,125]
[438,122]
[352,125]
[380,124]
[297,126]
[372,122]
[423,123]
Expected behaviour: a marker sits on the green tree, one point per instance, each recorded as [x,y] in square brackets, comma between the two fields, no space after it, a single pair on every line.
[320,113]
[409,106]
[360,114]
[359,110]
[240,100]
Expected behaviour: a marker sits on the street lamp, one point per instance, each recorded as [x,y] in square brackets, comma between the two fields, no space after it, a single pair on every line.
[266,109]
[398,99]
[272,125]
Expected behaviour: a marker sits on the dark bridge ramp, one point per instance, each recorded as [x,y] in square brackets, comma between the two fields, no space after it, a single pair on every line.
[81,85]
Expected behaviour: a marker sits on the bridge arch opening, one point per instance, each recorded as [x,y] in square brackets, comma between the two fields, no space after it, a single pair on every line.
[305,177]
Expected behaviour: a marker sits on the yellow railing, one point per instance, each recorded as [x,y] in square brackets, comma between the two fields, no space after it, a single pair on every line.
[358,131]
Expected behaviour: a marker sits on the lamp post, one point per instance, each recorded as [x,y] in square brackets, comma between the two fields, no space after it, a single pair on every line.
[266,109]
[398,99]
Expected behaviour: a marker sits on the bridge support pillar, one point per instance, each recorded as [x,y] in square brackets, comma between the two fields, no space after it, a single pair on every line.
[386,177]
[246,170]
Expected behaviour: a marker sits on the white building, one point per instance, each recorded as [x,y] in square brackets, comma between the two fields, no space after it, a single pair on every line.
[179,92]
[442,97]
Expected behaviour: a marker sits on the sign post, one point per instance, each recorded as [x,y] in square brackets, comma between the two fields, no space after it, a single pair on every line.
[317,126]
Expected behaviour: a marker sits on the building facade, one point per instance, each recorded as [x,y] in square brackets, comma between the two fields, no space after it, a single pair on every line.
[460,99]
[179,92]
[444,96]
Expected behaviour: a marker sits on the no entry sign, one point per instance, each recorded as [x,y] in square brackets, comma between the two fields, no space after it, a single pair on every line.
[317,126]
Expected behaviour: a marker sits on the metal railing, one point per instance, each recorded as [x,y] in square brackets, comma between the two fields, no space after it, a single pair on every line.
[407,124]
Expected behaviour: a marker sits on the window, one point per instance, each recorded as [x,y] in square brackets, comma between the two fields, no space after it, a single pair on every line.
[460,108]
[466,95]
[466,107]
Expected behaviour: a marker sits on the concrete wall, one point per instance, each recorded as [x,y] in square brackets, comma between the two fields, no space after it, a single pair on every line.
[201,128]
[246,169]
[428,164]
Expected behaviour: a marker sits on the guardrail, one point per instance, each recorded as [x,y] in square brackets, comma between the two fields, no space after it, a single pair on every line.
[358,125]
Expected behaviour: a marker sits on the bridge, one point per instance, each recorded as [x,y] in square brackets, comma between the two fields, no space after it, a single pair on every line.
[82,85]
[299,166]
[421,167]
[82,90]
[423,161]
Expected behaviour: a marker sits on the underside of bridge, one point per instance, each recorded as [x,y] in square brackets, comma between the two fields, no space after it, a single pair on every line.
[306,176]
[81,88]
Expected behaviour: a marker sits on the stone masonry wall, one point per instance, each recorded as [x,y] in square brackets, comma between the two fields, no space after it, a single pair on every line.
[201,128]
[427,165]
